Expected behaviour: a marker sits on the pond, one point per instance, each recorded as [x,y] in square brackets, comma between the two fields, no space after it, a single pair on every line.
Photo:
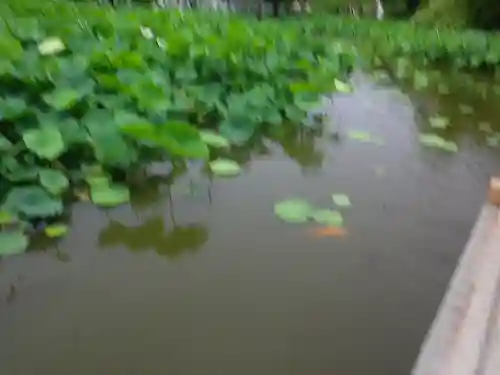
[199,276]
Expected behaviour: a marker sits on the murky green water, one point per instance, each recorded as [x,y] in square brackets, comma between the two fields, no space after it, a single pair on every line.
[201,278]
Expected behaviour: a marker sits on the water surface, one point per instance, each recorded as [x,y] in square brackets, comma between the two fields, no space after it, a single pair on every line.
[206,280]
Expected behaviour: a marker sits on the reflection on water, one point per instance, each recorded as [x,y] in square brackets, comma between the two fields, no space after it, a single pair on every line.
[247,293]
[151,235]
[301,147]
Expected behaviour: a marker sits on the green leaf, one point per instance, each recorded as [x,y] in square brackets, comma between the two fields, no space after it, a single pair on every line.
[17,171]
[328,217]
[98,180]
[46,142]
[62,98]
[293,210]
[7,218]
[53,180]
[439,122]
[10,49]
[214,139]
[33,202]
[178,138]
[12,107]
[5,144]
[224,167]
[111,149]
[305,102]
[109,195]
[56,230]
[26,28]
[237,130]
[341,200]
[13,243]
[294,114]
[272,116]
[72,132]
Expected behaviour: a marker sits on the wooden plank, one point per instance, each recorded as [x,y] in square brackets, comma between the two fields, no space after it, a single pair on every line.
[466,330]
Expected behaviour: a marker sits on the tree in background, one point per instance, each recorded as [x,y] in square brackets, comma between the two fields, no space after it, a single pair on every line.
[484,14]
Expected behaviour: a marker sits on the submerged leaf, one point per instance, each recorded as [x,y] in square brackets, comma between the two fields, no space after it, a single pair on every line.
[328,217]
[13,243]
[439,122]
[362,136]
[341,200]
[493,140]
[224,167]
[380,171]
[485,127]
[466,109]
[293,210]
[435,141]
[443,89]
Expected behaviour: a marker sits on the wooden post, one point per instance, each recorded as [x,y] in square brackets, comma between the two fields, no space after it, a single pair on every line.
[464,338]
[494,191]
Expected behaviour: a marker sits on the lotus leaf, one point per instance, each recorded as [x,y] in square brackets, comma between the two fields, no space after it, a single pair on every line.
[32,202]
[109,195]
[13,243]
[46,142]
[293,210]
[328,217]
[224,167]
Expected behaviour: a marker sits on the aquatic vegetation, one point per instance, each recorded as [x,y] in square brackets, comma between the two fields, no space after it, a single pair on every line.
[341,200]
[363,136]
[493,140]
[224,167]
[301,211]
[383,42]
[439,122]
[466,109]
[13,242]
[56,230]
[328,217]
[293,210]
[109,195]
[87,96]
[485,127]
[213,139]
[435,141]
